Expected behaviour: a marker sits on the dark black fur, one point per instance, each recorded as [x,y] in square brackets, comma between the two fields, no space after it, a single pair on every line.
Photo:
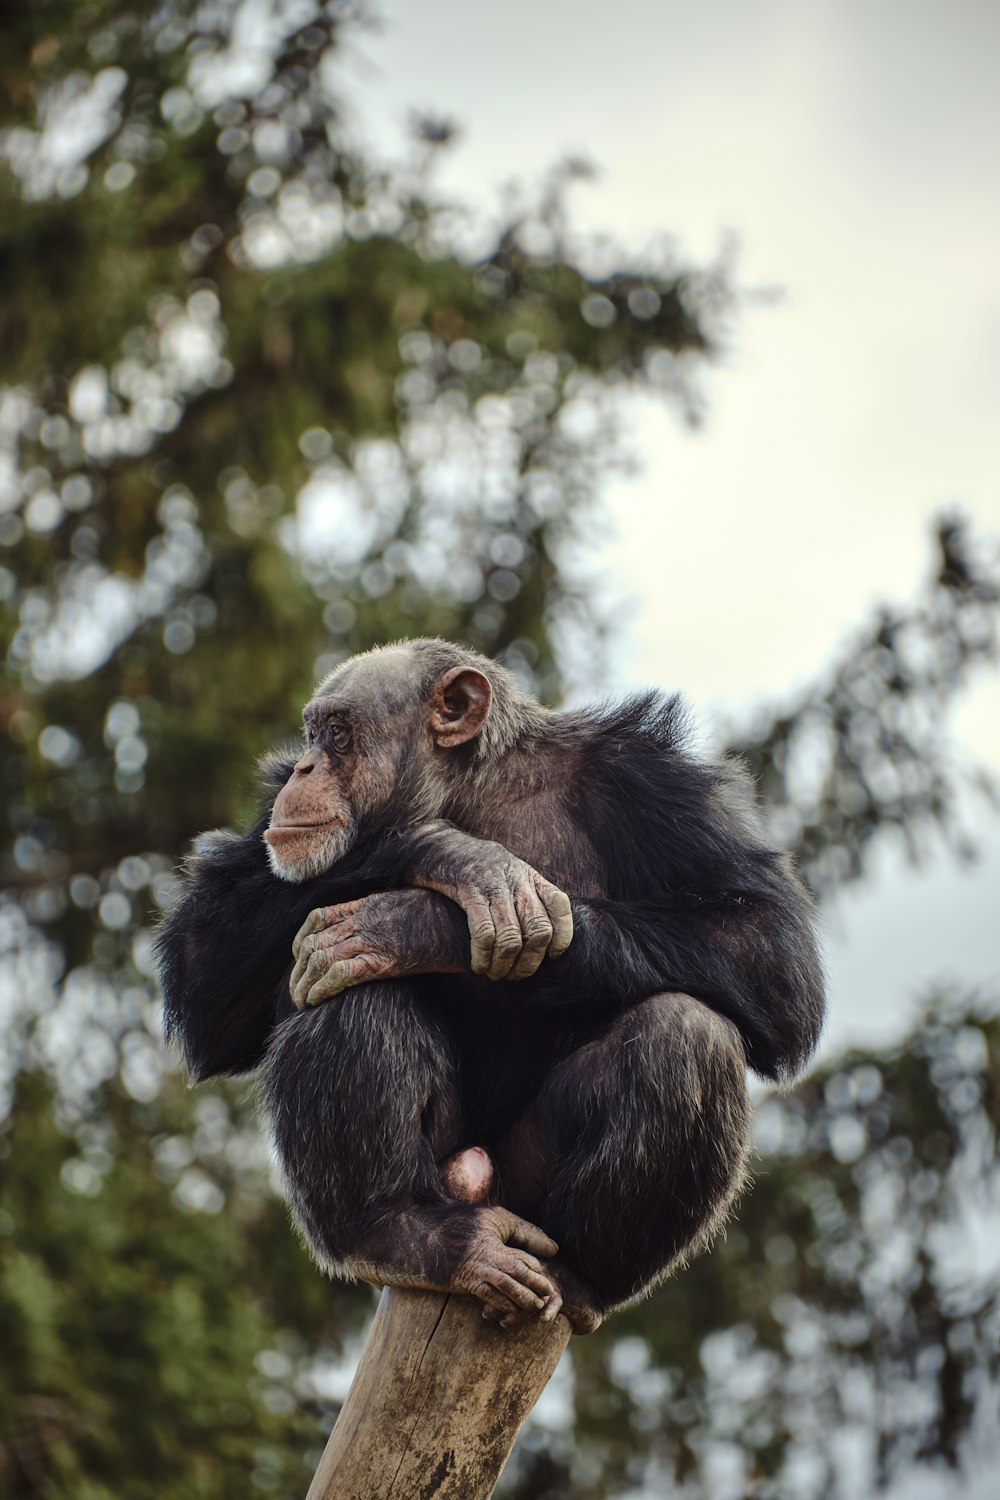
[696,899]
[609,1087]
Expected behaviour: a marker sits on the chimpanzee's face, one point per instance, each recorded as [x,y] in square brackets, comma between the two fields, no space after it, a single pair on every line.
[358,724]
[373,745]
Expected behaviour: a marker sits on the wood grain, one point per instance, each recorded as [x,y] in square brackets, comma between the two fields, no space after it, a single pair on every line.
[437,1402]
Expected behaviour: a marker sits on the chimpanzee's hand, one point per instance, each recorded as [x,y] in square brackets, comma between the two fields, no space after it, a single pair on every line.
[386,936]
[515,915]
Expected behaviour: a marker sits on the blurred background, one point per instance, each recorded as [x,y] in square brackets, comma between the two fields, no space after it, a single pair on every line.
[318,327]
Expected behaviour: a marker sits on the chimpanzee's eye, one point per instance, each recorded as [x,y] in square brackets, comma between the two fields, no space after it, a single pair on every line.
[340,739]
[310,734]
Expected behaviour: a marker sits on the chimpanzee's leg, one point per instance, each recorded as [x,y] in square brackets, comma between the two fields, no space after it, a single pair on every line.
[635,1146]
[362,1095]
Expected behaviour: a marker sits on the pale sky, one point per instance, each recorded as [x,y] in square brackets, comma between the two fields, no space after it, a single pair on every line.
[855,150]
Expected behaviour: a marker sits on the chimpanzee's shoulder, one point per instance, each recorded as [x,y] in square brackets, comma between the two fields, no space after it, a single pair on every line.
[645,722]
[647,733]
[641,761]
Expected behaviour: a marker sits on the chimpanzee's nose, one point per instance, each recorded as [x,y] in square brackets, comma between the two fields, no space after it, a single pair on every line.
[307,762]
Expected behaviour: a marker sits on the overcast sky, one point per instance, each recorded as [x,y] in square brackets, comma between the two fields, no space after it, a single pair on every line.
[855,150]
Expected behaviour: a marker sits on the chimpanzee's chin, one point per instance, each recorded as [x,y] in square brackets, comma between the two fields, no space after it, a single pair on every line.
[284,871]
[295,857]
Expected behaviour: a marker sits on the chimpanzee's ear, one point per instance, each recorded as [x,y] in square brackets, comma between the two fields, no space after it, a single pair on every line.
[459,706]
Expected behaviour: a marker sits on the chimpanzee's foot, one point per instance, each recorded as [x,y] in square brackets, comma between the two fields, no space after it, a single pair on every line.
[499,1265]
[469,1175]
[575,1300]
[486,1252]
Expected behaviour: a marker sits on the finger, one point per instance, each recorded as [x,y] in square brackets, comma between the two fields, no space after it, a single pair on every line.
[519,1232]
[493,1297]
[305,974]
[519,1294]
[319,923]
[315,922]
[536,933]
[552,1308]
[338,977]
[541,1285]
[320,979]
[308,946]
[508,942]
[560,914]
[341,940]
[341,932]
[299,984]
[293,982]
[483,935]
[511,1318]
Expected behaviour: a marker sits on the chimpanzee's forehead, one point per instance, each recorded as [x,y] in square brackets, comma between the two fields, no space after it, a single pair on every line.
[380,682]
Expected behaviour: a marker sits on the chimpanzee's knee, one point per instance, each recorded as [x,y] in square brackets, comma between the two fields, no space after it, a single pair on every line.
[347,1089]
[649,1132]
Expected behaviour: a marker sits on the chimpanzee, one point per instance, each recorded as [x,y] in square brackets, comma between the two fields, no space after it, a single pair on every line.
[502,970]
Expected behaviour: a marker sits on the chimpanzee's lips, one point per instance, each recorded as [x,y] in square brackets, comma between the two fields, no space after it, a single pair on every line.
[293,827]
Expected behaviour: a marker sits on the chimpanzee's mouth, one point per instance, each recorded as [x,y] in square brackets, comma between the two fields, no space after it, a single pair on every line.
[294,827]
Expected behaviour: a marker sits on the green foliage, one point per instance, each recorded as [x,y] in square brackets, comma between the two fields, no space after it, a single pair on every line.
[156,1313]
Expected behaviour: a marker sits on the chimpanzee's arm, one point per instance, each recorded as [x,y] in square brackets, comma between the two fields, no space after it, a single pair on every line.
[743,944]
[697,901]
[463,886]
[224,954]
[388,935]
[225,950]
[515,915]
[748,956]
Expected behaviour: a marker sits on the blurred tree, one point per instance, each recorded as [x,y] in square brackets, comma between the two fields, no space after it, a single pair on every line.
[261,406]
[258,412]
[864,753]
[148,1345]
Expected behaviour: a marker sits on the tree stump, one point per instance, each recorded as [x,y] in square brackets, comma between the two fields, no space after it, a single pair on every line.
[437,1402]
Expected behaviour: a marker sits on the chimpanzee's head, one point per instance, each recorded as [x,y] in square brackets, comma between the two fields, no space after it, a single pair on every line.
[381,732]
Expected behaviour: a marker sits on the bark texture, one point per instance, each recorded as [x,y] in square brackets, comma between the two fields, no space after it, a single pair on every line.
[437,1402]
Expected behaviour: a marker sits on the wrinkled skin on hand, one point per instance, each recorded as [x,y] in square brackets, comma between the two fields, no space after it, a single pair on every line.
[516,917]
[484,1269]
[500,1266]
[385,936]
[572,1298]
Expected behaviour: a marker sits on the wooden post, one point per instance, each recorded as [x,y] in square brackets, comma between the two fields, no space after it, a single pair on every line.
[437,1401]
